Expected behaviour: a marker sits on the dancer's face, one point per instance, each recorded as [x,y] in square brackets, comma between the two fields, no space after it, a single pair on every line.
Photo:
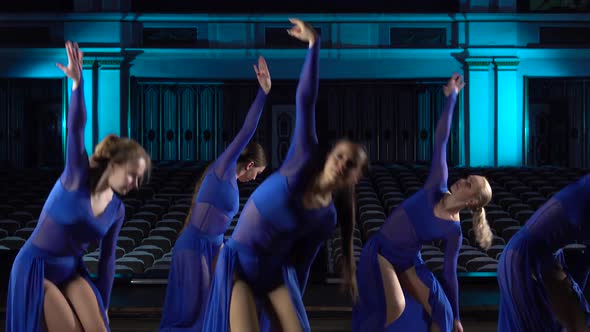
[470,189]
[125,177]
[344,164]
[250,172]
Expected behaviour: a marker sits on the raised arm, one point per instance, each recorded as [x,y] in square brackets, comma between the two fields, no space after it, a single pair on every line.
[450,283]
[439,170]
[106,262]
[226,163]
[76,168]
[304,136]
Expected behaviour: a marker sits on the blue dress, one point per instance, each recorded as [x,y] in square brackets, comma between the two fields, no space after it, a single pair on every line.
[66,227]
[536,248]
[399,241]
[217,202]
[276,238]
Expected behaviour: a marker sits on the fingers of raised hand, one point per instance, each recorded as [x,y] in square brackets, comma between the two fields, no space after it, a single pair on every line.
[262,64]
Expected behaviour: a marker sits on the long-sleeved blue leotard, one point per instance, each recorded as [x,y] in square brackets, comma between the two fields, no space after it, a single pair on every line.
[535,250]
[276,238]
[196,248]
[218,199]
[67,226]
[399,241]
[414,222]
[274,220]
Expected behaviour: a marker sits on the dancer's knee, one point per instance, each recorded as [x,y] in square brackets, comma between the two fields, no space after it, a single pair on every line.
[396,307]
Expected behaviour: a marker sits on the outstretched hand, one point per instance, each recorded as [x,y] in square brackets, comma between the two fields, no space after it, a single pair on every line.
[74,67]
[302,31]
[263,75]
[455,83]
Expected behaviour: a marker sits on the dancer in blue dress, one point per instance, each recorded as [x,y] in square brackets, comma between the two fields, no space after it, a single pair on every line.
[49,286]
[538,291]
[215,204]
[391,267]
[262,270]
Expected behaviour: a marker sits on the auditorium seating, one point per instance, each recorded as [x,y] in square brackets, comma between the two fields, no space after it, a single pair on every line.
[156,213]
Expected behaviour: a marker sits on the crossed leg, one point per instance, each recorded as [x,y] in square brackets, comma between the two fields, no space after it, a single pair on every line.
[419,291]
[393,286]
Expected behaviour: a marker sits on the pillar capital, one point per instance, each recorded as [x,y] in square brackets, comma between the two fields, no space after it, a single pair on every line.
[110,62]
[88,63]
[478,64]
[510,63]
[106,61]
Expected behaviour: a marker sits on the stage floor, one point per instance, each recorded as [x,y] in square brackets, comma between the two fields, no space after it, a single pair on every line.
[325,324]
[138,308]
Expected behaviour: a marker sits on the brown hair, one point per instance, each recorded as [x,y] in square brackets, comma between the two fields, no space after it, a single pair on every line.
[118,150]
[345,204]
[481,228]
[252,152]
[347,212]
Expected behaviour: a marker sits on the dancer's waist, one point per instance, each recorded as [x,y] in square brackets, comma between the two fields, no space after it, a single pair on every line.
[197,233]
[49,255]
[267,254]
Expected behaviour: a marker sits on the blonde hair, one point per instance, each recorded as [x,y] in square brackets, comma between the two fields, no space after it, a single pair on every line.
[118,150]
[481,228]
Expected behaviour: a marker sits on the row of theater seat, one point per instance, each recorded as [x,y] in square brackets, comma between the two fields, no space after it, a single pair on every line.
[156,213]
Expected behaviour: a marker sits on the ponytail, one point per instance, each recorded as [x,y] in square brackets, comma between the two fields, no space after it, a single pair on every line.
[481,228]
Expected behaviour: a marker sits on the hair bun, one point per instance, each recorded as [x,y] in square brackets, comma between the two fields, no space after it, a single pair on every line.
[104,149]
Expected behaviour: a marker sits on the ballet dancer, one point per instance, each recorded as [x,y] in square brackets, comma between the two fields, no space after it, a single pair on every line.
[216,201]
[538,291]
[391,267]
[49,286]
[263,268]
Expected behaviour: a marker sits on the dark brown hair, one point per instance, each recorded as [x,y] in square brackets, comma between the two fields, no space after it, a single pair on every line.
[345,203]
[253,152]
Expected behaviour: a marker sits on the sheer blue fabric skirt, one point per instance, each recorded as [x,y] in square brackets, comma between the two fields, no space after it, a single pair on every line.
[369,313]
[524,303]
[24,306]
[261,273]
[189,280]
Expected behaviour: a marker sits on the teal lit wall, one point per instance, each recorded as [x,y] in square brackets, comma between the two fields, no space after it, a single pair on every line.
[509,114]
[481,113]
[109,103]
[495,52]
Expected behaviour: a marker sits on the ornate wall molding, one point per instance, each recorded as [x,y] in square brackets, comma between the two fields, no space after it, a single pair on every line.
[478,64]
[506,64]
